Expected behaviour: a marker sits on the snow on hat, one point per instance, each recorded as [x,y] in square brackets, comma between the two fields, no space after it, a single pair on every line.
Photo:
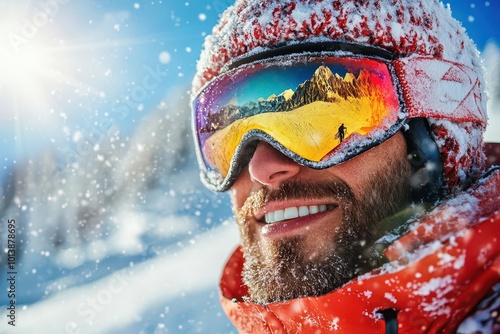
[407,28]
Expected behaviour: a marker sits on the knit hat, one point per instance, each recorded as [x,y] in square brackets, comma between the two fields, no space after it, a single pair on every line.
[452,100]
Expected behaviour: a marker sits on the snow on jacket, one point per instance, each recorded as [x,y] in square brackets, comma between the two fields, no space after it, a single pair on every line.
[439,279]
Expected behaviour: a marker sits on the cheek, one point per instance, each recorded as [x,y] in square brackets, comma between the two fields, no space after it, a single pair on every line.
[359,171]
[354,173]
[240,190]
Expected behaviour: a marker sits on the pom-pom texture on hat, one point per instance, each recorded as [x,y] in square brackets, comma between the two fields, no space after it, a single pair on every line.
[408,27]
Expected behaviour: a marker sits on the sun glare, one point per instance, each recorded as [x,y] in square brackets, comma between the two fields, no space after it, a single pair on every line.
[26,76]
[29,67]
[24,71]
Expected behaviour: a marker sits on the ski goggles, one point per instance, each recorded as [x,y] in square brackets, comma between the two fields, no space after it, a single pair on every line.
[317,109]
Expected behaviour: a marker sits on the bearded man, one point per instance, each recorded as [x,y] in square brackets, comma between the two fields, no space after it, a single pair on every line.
[391,229]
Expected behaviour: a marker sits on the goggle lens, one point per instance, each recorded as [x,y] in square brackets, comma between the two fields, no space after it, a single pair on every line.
[319,111]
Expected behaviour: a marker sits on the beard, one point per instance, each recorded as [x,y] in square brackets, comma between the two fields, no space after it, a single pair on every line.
[281,270]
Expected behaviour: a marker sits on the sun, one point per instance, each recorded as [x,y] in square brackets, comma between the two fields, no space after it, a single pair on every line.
[23,66]
[27,74]
[24,74]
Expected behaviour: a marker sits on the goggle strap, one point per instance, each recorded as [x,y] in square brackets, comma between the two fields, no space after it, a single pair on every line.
[421,77]
[313,47]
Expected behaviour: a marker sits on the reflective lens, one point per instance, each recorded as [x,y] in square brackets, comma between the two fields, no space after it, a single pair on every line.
[319,111]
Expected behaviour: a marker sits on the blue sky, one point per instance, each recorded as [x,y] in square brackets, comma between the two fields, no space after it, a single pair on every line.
[87,65]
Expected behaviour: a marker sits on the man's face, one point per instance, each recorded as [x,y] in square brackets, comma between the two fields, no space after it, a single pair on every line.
[318,221]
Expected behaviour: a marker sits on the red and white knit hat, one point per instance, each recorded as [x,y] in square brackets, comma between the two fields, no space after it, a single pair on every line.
[407,28]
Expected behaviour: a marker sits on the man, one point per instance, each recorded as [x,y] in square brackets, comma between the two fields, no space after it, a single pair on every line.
[392,229]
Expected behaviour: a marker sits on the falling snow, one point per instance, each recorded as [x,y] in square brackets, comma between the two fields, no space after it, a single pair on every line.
[116,232]
[164,57]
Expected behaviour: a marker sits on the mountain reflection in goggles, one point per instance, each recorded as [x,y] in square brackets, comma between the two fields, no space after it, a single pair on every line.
[319,111]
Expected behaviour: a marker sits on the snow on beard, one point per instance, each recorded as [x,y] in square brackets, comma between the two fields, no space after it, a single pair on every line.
[281,270]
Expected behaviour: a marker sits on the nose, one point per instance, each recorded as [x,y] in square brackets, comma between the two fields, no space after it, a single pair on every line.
[270,167]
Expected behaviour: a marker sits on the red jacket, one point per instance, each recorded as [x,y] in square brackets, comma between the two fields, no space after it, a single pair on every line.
[438,273]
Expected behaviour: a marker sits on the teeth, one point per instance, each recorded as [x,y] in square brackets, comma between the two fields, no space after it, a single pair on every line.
[291,213]
[279,215]
[295,212]
[303,211]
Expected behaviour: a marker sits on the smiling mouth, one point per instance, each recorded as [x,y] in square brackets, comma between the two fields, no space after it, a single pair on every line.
[296,212]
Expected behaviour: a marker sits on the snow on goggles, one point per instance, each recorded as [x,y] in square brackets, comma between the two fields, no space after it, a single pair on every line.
[317,110]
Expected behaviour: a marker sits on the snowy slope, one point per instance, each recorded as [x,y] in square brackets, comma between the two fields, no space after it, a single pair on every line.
[119,301]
